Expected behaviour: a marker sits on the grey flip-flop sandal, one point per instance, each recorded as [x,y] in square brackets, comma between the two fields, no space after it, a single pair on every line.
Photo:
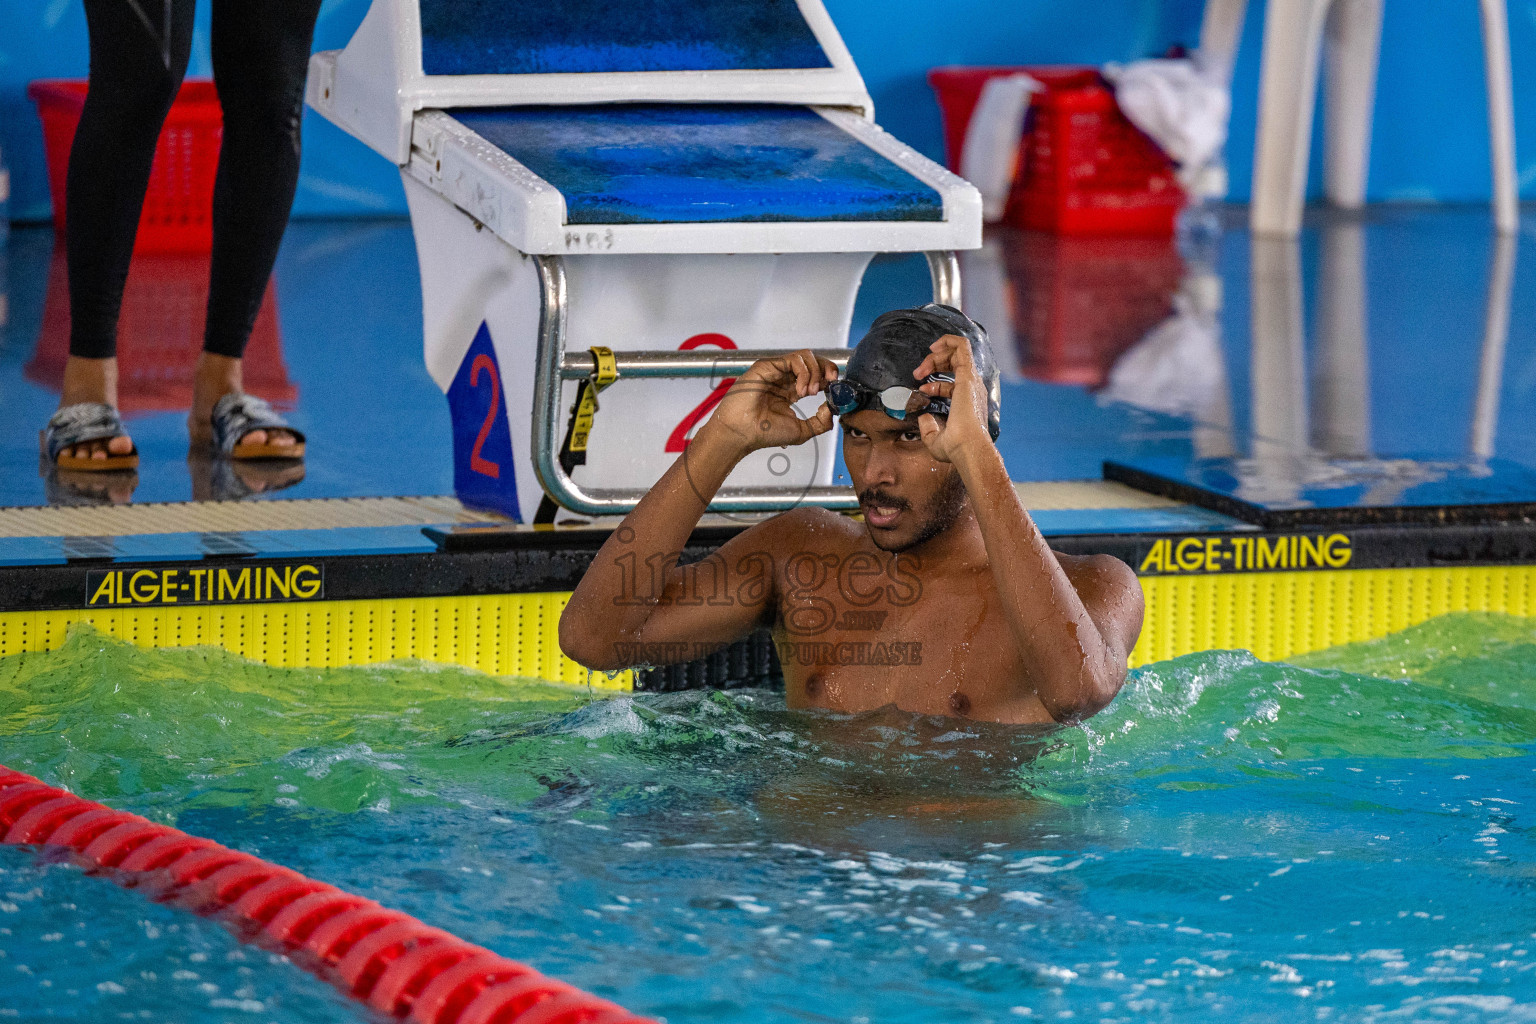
[83,423]
[236,415]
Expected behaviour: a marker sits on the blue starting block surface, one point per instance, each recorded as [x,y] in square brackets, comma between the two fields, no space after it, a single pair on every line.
[698,163]
[522,37]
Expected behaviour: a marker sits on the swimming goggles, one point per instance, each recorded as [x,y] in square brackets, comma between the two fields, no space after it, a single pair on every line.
[846,396]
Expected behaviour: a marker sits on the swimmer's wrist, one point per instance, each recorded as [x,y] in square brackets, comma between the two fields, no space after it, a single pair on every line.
[974,450]
[717,442]
[974,453]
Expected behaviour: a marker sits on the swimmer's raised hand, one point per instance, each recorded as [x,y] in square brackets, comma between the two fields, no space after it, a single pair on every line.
[966,425]
[758,411]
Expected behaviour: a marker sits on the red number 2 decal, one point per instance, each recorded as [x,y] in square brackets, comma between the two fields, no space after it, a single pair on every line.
[678,439]
[477,462]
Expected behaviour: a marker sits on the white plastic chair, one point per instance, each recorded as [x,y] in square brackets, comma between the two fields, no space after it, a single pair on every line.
[1293,38]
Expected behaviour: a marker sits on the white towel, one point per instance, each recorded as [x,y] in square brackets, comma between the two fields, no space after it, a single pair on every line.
[1184,110]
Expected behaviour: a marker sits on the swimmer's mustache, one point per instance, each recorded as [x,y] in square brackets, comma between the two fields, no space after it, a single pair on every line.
[883,500]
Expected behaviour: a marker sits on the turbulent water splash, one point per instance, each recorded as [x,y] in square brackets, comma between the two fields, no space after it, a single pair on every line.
[166,729]
[1165,858]
[169,729]
[1488,657]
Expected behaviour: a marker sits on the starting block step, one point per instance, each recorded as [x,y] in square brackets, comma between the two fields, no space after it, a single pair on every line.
[670,163]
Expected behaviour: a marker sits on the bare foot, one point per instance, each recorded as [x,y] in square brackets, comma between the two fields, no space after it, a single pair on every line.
[215,377]
[93,380]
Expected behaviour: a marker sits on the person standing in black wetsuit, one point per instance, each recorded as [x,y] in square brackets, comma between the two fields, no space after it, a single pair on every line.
[139,51]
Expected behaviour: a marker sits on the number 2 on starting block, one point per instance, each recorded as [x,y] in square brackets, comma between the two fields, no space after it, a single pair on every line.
[483,473]
[678,439]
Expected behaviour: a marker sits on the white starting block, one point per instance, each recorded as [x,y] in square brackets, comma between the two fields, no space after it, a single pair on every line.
[676,180]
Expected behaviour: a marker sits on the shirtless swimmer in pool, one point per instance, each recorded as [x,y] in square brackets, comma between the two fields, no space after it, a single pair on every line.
[945,600]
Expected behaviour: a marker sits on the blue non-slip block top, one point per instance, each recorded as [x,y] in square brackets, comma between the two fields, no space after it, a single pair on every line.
[523,37]
[690,163]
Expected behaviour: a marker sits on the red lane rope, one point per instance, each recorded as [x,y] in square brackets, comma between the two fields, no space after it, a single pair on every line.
[381,957]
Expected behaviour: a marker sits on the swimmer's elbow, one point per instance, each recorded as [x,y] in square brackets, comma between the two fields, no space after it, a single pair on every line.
[1117,608]
[1096,689]
[581,644]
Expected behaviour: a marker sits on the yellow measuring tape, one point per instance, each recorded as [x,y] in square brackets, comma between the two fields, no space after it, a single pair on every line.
[606,372]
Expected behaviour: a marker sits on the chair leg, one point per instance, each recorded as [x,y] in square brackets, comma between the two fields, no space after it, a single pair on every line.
[1292,36]
[1220,28]
[1353,42]
[1501,114]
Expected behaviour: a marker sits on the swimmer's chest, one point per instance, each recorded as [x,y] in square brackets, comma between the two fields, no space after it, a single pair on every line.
[938,646]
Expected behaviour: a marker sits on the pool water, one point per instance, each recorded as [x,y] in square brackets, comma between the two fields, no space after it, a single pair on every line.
[1344,838]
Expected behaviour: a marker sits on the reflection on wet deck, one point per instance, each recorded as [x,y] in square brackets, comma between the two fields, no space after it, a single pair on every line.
[1387,349]
[1362,364]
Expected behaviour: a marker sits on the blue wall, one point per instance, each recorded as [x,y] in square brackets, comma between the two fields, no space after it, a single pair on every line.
[1430,137]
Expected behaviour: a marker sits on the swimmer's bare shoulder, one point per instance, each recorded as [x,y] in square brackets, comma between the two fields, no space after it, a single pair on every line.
[644,613]
[812,526]
[803,529]
[766,551]
[1111,594]
[1108,587]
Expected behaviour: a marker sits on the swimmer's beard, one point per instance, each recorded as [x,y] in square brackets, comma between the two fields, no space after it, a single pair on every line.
[946,509]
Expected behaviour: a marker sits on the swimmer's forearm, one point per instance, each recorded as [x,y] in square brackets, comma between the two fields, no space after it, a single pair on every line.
[1076,672]
[615,598]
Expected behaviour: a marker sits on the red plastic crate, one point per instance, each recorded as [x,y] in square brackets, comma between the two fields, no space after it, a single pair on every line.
[1080,303]
[1084,169]
[160,335]
[178,207]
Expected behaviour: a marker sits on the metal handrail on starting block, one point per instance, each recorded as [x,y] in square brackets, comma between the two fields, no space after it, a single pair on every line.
[555,366]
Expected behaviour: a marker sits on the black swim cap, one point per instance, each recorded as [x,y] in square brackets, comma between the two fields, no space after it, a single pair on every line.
[898,342]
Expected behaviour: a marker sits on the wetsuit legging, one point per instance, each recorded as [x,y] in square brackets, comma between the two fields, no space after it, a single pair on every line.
[139,51]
